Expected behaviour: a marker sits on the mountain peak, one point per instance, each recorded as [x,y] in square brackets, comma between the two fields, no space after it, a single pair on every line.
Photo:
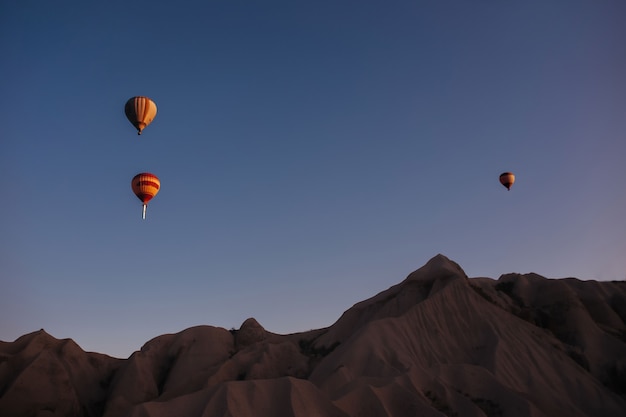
[435,275]
[250,332]
[438,266]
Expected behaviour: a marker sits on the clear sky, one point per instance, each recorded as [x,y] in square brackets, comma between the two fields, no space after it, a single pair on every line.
[311,154]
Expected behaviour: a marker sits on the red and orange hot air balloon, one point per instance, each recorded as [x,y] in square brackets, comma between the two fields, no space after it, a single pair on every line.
[140,111]
[145,186]
[507,179]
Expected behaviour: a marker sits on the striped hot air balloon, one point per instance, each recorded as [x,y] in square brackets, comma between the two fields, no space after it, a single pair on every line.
[145,186]
[140,111]
[507,179]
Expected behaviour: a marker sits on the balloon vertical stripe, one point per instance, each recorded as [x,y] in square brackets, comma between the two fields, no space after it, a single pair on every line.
[507,179]
[140,111]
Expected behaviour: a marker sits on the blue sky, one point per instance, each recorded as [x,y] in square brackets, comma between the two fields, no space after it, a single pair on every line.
[311,154]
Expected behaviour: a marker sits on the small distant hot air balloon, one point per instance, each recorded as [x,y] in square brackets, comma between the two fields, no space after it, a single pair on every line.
[145,186]
[507,179]
[140,111]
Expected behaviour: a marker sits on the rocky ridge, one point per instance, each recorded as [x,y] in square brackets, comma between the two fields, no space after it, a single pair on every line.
[436,344]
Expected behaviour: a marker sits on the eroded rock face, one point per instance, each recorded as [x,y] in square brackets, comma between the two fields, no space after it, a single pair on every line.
[249,333]
[41,375]
[438,343]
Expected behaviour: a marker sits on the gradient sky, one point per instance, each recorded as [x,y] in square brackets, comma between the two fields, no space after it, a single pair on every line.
[311,154]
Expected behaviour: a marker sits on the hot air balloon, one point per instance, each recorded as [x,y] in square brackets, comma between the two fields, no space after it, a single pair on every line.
[507,179]
[140,111]
[145,186]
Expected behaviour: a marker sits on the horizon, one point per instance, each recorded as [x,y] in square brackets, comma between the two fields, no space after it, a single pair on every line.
[294,331]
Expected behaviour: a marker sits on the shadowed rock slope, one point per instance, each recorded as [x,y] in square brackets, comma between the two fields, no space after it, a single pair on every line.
[437,344]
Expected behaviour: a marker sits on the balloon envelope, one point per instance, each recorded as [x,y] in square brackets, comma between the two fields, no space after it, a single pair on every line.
[145,186]
[140,111]
[507,179]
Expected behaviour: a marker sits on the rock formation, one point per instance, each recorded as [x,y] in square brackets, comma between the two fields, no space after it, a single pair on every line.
[437,344]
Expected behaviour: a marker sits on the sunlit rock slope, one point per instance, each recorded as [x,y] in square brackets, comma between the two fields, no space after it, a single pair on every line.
[436,344]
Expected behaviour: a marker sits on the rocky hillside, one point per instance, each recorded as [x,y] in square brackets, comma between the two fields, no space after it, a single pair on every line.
[436,344]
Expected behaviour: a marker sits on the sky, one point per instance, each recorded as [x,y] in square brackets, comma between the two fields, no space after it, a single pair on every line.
[311,154]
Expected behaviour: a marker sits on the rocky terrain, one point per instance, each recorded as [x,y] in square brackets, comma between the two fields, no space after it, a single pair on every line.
[436,344]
